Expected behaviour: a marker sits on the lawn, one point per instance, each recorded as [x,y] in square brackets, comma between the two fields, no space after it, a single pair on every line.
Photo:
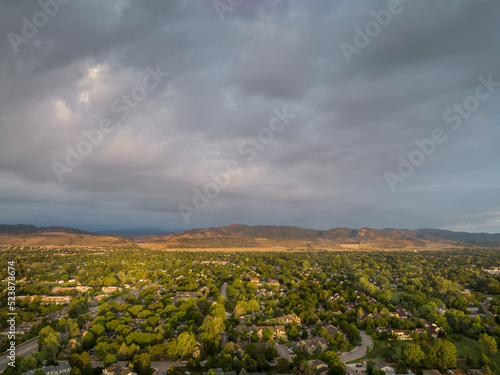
[380,347]
[466,345]
[396,294]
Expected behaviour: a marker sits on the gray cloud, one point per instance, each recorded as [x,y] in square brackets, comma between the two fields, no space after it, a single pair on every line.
[325,169]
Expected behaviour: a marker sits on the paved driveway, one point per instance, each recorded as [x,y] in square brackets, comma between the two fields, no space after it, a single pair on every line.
[283,352]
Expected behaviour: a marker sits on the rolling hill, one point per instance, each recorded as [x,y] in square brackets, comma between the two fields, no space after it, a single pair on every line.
[259,237]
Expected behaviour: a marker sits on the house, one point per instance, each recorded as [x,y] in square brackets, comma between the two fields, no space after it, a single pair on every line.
[180,295]
[473,310]
[289,319]
[110,289]
[57,300]
[83,288]
[431,372]
[278,331]
[385,367]
[457,371]
[333,330]
[401,334]
[311,345]
[319,367]
[21,329]
[273,282]
[59,289]
[52,370]
[116,369]
[477,372]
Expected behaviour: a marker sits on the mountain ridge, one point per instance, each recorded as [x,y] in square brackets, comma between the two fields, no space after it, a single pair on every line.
[257,236]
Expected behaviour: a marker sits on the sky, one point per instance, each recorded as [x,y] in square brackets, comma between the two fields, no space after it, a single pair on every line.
[198,113]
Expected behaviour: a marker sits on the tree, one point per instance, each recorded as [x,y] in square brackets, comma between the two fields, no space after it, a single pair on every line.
[469,361]
[336,366]
[88,341]
[282,366]
[81,362]
[142,364]
[182,347]
[48,342]
[109,360]
[414,356]
[211,329]
[267,334]
[293,333]
[442,355]
[487,344]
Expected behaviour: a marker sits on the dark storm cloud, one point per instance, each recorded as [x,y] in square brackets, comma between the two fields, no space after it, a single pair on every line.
[226,77]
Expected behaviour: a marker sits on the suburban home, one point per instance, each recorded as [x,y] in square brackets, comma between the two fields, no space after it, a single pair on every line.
[401,334]
[311,345]
[319,367]
[110,289]
[58,300]
[59,289]
[116,369]
[278,331]
[83,288]
[332,330]
[431,372]
[273,282]
[52,370]
[289,319]
[385,367]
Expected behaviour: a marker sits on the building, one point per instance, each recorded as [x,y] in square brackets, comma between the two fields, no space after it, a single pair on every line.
[289,319]
[311,345]
[110,289]
[319,367]
[83,288]
[333,330]
[58,300]
[180,295]
[116,369]
[431,372]
[278,331]
[52,370]
[59,289]
[385,367]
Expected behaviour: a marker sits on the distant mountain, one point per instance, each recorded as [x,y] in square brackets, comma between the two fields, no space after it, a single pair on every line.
[30,235]
[137,232]
[259,237]
[29,229]
[271,236]
[463,236]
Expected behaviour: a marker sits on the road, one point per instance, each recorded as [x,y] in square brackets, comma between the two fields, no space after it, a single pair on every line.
[283,352]
[23,350]
[360,351]
[223,290]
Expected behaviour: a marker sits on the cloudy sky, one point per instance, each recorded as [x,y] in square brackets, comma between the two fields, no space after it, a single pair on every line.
[125,114]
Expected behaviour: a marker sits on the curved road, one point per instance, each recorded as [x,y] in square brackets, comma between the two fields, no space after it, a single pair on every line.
[360,351]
